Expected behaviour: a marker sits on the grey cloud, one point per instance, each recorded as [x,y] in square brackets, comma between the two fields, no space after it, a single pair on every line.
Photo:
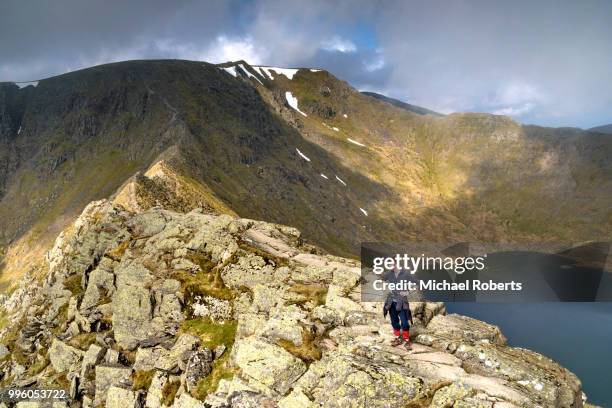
[39,39]
[545,62]
[470,55]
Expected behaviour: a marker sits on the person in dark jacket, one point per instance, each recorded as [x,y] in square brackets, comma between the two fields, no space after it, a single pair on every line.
[398,307]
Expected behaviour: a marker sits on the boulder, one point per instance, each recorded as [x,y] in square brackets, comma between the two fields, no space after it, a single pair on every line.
[295,399]
[447,329]
[448,396]
[101,282]
[121,398]
[268,364]
[283,324]
[187,401]
[175,359]
[147,358]
[107,376]
[91,358]
[455,362]
[338,302]
[111,357]
[155,391]
[198,366]
[250,399]
[63,357]
[132,308]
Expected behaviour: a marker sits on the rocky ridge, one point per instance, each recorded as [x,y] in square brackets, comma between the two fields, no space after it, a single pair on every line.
[157,308]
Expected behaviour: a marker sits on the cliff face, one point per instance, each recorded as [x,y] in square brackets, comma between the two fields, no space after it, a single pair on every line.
[161,308]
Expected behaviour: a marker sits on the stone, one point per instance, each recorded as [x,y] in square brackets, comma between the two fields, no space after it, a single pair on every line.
[463,329]
[265,298]
[87,402]
[155,391]
[132,308]
[147,358]
[449,395]
[284,323]
[187,401]
[4,351]
[219,350]
[100,283]
[176,358]
[92,357]
[168,308]
[74,387]
[17,370]
[250,399]
[198,366]
[249,323]
[121,398]
[64,357]
[107,376]
[268,364]
[249,271]
[295,399]
[347,380]
[339,303]
[72,330]
[111,357]
[327,315]
[217,310]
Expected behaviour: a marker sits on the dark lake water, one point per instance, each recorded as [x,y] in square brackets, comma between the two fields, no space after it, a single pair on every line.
[577,335]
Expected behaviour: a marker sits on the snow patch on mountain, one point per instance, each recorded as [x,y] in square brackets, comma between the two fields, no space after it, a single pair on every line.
[22,85]
[302,155]
[293,102]
[355,142]
[263,73]
[336,129]
[288,72]
[231,71]
[324,176]
[340,180]
[363,211]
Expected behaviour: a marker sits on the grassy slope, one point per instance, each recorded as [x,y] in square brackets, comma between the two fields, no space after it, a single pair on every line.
[470,175]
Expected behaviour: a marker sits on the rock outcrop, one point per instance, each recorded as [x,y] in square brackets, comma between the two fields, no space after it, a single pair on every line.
[165,309]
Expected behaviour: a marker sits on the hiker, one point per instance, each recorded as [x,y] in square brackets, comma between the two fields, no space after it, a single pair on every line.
[396,304]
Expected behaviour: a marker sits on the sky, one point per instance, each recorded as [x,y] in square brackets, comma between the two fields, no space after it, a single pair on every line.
[542,62]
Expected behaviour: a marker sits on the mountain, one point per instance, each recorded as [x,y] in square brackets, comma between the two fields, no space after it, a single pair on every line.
[403,105]
[177,231]
[602,129]
[292,146]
